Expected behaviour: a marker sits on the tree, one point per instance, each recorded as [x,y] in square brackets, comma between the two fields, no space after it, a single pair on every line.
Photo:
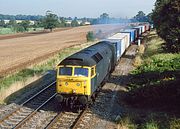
[166,18]
[104,18]
[90,36]
[63,22]
[38,23]
[12,23]
[2,23]
[25,24]
[50,21]
[74,23]
[141,17]
[149,18]
[19,28]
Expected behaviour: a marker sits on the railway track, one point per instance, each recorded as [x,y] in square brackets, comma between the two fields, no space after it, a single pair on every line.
[67,120]
[17,117]
[103,106]
[105,98]
[20,115]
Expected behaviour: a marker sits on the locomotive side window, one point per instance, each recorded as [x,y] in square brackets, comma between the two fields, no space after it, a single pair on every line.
[65,71]
[97,57]
[81,72]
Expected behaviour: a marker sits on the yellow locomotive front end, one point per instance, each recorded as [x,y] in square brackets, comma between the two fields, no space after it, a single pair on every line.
[73,80]
[73,84]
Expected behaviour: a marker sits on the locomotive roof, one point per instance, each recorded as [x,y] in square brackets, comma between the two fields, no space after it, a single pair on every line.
[88,56]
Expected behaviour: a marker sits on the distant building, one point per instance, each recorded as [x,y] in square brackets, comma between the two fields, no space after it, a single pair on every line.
[79,22]
[6,21]
[86,23]
[68,21]
[32,22]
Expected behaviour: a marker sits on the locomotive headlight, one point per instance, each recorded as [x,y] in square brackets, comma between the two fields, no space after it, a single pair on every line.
[74,91]
[78,84]
[66,83]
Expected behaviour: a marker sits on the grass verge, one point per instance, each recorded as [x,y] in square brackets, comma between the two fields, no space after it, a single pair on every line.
[152,99]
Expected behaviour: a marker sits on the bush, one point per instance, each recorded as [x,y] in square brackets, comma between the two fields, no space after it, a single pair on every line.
[160,63]
[166,20]
[90,36]
[19,28]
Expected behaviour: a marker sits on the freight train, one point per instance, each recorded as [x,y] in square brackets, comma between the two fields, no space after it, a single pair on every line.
[81,75]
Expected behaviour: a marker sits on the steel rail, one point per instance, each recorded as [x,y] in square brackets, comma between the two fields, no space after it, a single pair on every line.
[33,113]
[20,106]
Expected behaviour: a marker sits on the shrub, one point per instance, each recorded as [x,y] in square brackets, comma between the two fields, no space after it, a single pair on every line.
[166,20]
[160,63]
[90,36]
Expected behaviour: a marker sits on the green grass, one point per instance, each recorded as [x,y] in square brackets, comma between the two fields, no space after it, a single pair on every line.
[159,63]
[146,120]
[127,123]
[6,31]
[39,69]
[153,46]
[174,123]
[150,125]
[36,29]
[155,59]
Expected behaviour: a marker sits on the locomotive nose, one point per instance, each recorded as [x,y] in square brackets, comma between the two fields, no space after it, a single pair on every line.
[59,98]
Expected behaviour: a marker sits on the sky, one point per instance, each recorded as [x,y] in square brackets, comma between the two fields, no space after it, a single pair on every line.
[78,8]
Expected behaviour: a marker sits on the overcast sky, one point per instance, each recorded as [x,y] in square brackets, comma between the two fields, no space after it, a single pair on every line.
[79,8]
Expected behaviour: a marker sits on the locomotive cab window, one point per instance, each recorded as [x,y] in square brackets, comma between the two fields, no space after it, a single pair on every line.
[67,71]
[81,72]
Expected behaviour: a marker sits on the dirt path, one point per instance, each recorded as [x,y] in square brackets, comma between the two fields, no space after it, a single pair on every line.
[16,53]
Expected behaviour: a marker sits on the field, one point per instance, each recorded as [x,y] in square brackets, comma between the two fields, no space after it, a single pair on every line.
[21,50]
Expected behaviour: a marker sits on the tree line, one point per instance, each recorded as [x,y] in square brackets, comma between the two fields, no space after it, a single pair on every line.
[142,17]
[51,20]
[21,17]
[166,18]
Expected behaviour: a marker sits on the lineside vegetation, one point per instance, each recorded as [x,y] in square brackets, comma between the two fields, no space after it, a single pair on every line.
[166,18]
[153,90]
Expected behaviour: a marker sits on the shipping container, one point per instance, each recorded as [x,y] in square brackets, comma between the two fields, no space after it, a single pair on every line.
[138,30]
[119,46]
[124,36]
[143,28]
[147,27]
[136,33]
[132,34]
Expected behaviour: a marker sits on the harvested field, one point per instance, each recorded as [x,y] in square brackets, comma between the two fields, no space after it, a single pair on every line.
[17,52]
[26,34]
